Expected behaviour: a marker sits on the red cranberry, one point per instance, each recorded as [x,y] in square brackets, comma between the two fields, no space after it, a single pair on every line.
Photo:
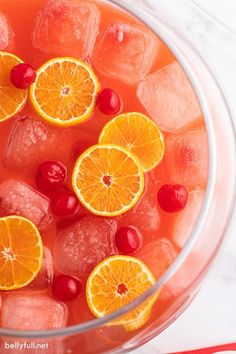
[50,176]
[23,75]
[64,203]
[127,240]
[172,198]
[108,101]
[66,288]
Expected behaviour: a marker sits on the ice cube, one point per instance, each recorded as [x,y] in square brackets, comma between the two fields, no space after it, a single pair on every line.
[125,52]
[33,312]
[186,158]
[45,277]
[6,33]
[18,198]
[28,142]
[191,269]
[66,27]
[144,217]
[186,219]
[169,98]
[81,246]
[158,255]
[31,142]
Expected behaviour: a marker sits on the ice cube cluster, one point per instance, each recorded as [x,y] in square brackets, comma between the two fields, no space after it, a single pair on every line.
[122,51]
[127,53]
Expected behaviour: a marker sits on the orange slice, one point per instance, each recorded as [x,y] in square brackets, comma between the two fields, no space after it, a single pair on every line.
[108,180]
[65,91]
[21,252]
[137,133]
[12,99]
[116,282]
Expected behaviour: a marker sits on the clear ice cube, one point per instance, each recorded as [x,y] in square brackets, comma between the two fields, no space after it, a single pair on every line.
[186,219]
[18,198]
[6,33]
[144,217]
[45,277]
[66,27]
[33,312]
[158,255]
[81,246]
[125,52]
[31,142]
[190,269]
[186,158]
[169,98]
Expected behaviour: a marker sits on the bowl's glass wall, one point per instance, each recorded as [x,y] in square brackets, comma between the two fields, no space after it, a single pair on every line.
[211,233]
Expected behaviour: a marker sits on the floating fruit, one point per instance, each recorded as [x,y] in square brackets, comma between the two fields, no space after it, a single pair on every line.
[12,99]
[137,133]
[116,282]
[65,91]
[108,180]
[21,252]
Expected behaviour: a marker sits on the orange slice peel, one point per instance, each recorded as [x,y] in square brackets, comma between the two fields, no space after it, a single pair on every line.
[108,180]
[116,282]
[65,91]
[137,133]
[21,252]
[12,99]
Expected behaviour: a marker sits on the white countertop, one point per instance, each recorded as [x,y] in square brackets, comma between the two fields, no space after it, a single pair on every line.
[211,318]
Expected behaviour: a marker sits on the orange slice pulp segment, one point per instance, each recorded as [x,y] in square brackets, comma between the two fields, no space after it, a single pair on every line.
[65,91]
[12,99]
[116,282]
[21,252]
[108,180]
[137,133]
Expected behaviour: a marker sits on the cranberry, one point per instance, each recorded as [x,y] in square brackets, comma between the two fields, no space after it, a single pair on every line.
[172,198]
[23,75]
[108,101]
[64,203]
[66,288]
[50,176]
[127,240]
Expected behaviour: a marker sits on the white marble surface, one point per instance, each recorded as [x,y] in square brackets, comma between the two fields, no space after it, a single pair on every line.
[211,318]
